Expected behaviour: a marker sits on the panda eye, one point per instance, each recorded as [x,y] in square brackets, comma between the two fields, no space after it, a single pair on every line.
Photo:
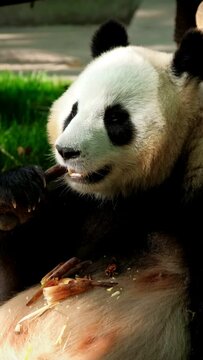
[72,114]
[116,114]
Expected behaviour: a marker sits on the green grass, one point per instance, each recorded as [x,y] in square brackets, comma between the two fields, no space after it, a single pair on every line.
[24,107]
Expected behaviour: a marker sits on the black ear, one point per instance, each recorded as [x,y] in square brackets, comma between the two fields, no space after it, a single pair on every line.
[110,35]
[189,57]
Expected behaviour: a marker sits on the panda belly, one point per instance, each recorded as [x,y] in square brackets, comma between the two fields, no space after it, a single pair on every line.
[144,316]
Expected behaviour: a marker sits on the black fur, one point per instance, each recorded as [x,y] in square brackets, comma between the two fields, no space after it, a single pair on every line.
[24,186]
[118,125]
[72,114]
[110,35]
[71,225]
[189,56]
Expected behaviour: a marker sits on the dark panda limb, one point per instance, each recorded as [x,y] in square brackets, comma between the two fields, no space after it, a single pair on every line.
[21,191]
[24,185]
[23,199]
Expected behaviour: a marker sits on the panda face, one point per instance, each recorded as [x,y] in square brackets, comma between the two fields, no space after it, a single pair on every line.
[116,128]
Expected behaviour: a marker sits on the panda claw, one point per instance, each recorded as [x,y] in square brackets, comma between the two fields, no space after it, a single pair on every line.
[14,204]
[44,183]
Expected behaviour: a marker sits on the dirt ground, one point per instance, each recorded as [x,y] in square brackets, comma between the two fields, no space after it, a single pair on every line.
[64,50]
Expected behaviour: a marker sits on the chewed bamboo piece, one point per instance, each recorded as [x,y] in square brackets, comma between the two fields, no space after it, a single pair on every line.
[55,287]
[55,274]
[68,287]
[60,270]
[54,172]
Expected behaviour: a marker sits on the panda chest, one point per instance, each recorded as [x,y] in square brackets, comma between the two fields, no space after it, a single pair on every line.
[124,225]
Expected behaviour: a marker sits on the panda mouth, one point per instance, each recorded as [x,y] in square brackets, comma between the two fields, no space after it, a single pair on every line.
[88,178]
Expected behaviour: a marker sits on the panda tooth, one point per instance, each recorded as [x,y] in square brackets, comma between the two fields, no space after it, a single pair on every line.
[73,173]
[76,175]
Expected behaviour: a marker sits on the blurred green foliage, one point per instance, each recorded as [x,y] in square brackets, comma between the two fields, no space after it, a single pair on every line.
[24,106]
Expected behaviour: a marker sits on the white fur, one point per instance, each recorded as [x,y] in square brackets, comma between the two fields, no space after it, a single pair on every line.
[144,317]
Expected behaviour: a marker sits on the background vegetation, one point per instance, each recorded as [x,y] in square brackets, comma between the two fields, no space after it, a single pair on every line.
[24,107]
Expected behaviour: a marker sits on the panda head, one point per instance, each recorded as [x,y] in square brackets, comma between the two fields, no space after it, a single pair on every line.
[124,122]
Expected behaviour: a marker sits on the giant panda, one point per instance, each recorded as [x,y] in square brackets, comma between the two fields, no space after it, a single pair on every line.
[128,133]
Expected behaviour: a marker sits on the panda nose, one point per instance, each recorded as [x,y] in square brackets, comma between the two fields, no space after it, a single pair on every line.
[67,152]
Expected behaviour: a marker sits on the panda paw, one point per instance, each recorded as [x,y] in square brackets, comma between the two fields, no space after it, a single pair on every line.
[21,191]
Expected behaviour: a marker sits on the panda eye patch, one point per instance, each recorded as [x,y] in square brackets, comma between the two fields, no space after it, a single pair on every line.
[116,114]
[72,114]
[118,125]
